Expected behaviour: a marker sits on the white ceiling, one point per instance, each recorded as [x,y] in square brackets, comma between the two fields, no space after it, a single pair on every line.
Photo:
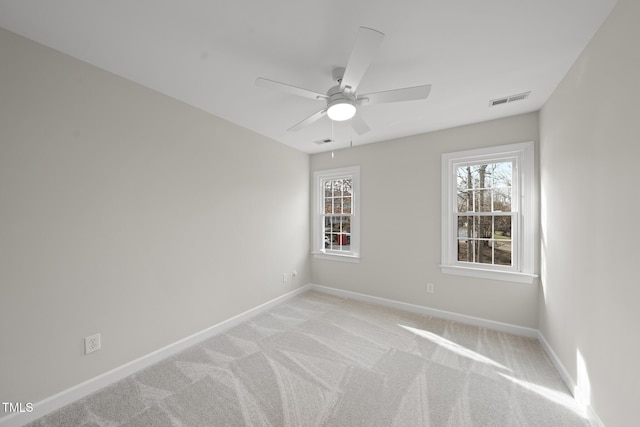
[208,54]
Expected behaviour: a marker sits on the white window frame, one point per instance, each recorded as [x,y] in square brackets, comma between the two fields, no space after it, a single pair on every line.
[318,249]
[523,222]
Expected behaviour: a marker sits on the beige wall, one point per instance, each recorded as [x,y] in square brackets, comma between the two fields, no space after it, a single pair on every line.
[400,225]
[590,240]
[128,213]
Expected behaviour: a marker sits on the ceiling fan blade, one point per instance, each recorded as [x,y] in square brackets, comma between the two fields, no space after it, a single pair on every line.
[306,122]
[359,125]
[395,95]
[361,56]
[272,84]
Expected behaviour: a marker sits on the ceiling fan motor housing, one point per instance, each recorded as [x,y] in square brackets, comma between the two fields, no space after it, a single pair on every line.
[340,101]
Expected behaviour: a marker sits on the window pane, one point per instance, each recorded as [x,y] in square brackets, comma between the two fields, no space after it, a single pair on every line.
[337,205]
[343,242]
[465,226]
[502,199]
[328,206]
[327,187]
[483,252]
[328,235]
[502,227]
[347,189]
[346,205]
[470,176]
[480,176]
[484,227]
[463,250]
[502,252]
[345,223]
[464,201]
[337,187]
[333,241]
[327,224]
[482,200]
[501,174]
[464,179]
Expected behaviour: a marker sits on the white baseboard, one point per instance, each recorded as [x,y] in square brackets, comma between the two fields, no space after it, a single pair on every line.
[593,418]
[591,415]
[564,374]
[442,314]
[79,391]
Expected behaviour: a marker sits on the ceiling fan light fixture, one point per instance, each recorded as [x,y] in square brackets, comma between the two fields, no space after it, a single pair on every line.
[341,110]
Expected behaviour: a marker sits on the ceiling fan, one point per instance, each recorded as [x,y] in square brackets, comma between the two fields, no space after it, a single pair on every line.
[342,99]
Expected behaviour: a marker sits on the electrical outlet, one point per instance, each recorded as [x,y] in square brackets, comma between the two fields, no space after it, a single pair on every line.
[92,343]
[430,288]
[285,277]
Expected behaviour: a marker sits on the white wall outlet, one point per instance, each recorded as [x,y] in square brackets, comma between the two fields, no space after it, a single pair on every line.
[92,343]
[430,288]
[285,277]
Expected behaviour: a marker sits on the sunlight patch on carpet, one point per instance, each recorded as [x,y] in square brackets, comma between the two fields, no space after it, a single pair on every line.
[456,348]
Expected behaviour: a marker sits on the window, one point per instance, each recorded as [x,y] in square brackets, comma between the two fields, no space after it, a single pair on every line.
[336,214]
[488,210]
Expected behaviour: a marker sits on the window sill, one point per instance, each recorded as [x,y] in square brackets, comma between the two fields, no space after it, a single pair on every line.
[336,257]
[507,276]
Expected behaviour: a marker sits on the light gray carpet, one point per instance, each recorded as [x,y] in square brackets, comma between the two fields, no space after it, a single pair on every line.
[319,360]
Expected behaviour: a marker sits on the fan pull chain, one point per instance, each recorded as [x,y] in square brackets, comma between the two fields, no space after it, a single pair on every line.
[351,136]
[333,139]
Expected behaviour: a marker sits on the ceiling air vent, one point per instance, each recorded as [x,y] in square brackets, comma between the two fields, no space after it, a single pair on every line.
[323,141]
[507,99]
